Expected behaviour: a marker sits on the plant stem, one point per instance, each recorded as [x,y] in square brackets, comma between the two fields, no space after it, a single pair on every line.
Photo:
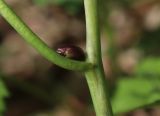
[96,77]
[37,43]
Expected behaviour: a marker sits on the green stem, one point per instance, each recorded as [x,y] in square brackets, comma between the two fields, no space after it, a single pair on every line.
[96,77]
[37,43]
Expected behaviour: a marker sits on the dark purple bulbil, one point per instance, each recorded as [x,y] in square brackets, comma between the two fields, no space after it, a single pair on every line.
[72,52]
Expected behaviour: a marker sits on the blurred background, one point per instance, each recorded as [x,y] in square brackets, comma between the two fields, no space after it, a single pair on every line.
[130,37]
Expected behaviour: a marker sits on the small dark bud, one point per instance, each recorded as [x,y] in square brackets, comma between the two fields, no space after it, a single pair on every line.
[72,52]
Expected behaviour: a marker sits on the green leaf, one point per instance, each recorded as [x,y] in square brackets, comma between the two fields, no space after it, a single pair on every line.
[3,94]
[141,90]
[149,67]
[135,92]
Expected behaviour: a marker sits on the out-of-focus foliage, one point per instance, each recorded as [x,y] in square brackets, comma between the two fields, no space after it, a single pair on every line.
[3,94]
[141,90]
[135,92]
[149,67]
[72,6]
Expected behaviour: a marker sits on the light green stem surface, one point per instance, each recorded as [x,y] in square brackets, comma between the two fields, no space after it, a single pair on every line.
[37,43]
[96,77]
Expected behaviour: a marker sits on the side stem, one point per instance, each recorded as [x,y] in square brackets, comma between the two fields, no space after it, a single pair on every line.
[96,77]
[29,36]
